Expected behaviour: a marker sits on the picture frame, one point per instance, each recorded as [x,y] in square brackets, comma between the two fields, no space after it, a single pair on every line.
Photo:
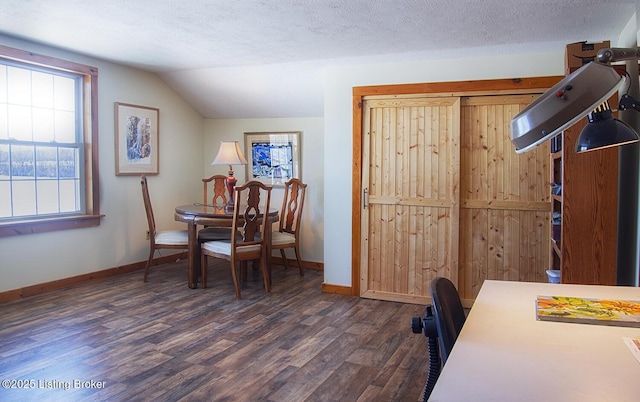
[273,157]
[136,139]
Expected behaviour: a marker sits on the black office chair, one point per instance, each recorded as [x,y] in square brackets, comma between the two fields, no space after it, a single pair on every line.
[444,320]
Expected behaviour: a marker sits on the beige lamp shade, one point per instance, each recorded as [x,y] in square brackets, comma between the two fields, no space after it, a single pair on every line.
[229,154]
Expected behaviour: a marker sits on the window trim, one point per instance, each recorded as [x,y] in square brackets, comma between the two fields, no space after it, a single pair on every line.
[92,214]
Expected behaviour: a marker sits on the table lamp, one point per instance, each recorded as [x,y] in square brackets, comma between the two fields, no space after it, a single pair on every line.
[581,93]
[230,154]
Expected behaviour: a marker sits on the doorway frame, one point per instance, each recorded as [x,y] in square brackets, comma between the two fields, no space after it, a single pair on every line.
[513,86]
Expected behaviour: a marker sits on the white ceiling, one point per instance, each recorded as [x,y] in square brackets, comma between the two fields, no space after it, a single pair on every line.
[263,58]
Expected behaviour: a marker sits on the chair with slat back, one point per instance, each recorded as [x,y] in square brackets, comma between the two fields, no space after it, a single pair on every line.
[219,199]
[219,190]
[288,234]
[250,217]
[168,239]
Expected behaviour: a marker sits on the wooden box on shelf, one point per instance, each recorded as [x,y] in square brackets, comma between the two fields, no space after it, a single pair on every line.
[581,53]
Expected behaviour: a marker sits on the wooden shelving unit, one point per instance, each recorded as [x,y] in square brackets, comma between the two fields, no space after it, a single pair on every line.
[586,249]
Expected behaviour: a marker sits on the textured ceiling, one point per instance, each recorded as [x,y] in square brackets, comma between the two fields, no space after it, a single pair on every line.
[229,48]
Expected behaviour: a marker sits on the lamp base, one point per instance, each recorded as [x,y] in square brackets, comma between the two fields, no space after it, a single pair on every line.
[231,184]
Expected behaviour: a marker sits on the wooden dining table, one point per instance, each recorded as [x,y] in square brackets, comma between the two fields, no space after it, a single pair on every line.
[209,215]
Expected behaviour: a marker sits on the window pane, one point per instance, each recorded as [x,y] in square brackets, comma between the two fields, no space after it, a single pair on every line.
[65,127]
[43,125]
[46,163]
[20,123]
[22,162]
[3,84]
[5,199]
[47,196]
[5,184]
[4,133]
[4,162]
[19,85]
[68,166]
[24,198]
[3,102]
[65,90]
[42,90]
[69,196]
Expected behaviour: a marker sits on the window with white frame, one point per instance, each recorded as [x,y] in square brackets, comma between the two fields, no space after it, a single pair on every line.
[48,144]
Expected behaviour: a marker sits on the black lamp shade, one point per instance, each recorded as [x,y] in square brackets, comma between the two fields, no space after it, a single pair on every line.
[604,131]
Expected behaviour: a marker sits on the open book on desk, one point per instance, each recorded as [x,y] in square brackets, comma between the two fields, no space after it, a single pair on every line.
[623,313]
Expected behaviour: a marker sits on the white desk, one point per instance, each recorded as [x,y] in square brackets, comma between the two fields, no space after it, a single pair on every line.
[504,354]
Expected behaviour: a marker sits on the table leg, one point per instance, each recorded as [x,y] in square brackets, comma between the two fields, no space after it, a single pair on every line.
[194,255]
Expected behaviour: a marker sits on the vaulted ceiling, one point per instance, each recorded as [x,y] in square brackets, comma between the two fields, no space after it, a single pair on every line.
[264,58]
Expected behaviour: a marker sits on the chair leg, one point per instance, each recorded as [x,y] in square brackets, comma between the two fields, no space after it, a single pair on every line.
[284,259]
[236,283]
[243,271]
[149,260]
[265,273]
[203,270]
[299,261]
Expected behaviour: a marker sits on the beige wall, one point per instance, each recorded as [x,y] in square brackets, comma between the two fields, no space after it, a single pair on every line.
[121,238]
[311,155]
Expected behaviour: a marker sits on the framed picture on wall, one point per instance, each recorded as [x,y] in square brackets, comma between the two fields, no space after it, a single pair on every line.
[273,157]
[136,139]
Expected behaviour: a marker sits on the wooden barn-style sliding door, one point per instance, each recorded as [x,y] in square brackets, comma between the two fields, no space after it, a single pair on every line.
[505,201]
[444,194]
[411,197]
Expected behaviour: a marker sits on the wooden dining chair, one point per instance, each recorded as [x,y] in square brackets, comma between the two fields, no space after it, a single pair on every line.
[288,234]
[250,218]
[218,199]
[219,187]
[168,239]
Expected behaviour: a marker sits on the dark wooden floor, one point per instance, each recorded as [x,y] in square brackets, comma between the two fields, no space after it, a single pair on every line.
[164,341]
